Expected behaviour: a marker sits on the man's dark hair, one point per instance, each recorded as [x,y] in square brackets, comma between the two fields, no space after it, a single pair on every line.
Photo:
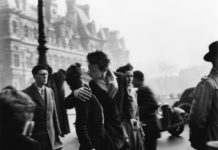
[99,58]
[139,75]
[37,68]
[123,69]
[73,76]
[49,68]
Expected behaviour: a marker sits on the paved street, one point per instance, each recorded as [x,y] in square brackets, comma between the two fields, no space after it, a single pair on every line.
[166,142]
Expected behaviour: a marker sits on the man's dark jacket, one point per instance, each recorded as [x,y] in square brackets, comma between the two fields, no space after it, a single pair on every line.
[147,103]
[147,111]
[115,110]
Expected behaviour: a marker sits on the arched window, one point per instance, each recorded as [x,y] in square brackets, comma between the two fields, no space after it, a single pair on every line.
[63,43]
[26,31]
[16,60]
[53,38]
[14,27]
[35,34]
[29,60]
[71,44]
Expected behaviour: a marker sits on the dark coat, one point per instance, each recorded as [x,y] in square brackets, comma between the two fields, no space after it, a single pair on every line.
[45,115]
[116,110]
[56,83]
[146,103]
[147,112]
[89,123]
[10,140]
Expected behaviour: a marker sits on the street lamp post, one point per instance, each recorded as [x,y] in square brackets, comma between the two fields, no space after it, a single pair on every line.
[42,48]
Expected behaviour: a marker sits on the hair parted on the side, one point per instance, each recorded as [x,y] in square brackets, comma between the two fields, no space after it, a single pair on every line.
[37,68]
[99,58]
[123,69]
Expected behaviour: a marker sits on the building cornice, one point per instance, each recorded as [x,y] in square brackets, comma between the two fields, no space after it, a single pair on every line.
[54,48]
[21,14]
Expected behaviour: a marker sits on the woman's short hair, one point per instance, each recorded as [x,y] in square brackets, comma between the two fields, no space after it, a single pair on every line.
[73,76]
[99,58]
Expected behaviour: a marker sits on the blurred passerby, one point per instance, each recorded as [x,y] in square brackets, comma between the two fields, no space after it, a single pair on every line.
[89,115]
[46,122]
[204,111]
[16,125]
[147,110]
[136,134]
[56,83]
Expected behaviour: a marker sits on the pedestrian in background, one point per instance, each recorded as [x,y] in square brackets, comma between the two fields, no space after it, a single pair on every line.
[204,110]
[46,122]
[147,110]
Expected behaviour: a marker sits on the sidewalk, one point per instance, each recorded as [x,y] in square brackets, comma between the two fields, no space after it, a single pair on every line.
[70,140]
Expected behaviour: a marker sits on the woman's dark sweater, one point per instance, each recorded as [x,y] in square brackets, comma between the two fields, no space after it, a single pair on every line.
[89,121]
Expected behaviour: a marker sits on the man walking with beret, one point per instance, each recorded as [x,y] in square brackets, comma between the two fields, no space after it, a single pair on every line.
[204,111]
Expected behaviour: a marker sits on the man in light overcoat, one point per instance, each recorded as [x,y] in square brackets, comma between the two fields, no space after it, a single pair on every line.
[46,122]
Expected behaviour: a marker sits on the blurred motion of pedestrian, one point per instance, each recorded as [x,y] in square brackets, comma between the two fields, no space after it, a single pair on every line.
[16,125]
[56,83]
[136,134]
[89,115]
[204,111]
[147,110]
[46,122]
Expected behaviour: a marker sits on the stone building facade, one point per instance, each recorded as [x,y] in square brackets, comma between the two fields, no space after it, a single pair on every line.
[69,39]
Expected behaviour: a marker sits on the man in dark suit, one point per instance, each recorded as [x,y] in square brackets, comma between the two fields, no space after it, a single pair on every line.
[45,114]
[147,108]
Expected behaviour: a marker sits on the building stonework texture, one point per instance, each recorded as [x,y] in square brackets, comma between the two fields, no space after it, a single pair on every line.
[69,39]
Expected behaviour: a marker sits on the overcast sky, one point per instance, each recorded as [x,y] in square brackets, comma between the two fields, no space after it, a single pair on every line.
[161,35]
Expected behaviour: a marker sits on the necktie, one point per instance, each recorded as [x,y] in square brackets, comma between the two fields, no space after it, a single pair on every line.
[42,93]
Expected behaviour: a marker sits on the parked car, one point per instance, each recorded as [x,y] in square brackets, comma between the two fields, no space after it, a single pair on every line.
[185,100]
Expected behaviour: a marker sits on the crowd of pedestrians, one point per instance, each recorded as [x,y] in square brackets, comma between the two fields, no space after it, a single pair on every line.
[115,110]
